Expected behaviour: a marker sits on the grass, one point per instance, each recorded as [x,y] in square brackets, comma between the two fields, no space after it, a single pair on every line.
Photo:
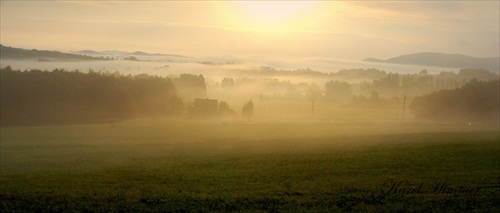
[239,165]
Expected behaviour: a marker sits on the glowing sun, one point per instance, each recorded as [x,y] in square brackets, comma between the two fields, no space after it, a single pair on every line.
[274,16]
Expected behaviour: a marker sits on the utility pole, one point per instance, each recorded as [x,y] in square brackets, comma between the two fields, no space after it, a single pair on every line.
[312,107]
[404,106]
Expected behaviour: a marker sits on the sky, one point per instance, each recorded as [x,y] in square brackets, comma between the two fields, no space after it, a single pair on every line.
[335,29]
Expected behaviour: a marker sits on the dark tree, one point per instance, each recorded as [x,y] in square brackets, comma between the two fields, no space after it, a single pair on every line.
[191,86]
[60,97]
[477,101]
[227,83]
[247,110]
[225,109]
[338,91]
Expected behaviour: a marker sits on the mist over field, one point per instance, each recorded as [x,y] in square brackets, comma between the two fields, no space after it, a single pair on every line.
[249,106]
[162,67]
[205,136]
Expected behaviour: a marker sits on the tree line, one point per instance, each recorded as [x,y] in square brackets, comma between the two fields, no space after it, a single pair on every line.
[477,102]
[385,86]
[37,97]
[44,55]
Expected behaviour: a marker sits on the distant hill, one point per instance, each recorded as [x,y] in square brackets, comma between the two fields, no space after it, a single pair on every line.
[83,55]
[116,53]
[139,53]
[90,52]
[443,60]
[44,55]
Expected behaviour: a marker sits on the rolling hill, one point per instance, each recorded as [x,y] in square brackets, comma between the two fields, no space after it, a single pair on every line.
[116,53]
[443,60]
[83,55]
[44,55]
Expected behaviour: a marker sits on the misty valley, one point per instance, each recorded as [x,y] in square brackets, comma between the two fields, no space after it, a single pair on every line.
[138,132]
[36,97]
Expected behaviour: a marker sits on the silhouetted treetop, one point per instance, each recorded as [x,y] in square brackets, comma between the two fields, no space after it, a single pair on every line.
[41,97]
[477,101]
[247,110]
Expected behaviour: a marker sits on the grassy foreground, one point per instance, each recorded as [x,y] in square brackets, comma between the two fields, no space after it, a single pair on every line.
[188,166]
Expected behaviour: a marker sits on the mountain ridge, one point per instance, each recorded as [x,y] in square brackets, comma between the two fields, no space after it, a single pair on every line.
[447,60]
[44,55]
[49,55]
[118,53]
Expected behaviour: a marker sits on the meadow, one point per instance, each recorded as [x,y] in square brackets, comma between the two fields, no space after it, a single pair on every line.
[221,165]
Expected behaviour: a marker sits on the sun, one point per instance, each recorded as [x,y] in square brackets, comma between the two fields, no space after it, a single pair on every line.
[274,9]
[272,16]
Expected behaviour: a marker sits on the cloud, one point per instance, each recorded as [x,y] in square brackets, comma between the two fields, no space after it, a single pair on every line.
[101,4]
[351,29]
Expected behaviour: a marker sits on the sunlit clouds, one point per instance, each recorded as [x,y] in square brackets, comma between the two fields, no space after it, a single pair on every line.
[273,16]
[349,30]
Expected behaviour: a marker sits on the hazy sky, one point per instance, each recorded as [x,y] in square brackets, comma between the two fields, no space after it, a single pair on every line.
[347,30]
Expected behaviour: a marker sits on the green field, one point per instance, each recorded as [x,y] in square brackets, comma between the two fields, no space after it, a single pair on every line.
[187,165]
